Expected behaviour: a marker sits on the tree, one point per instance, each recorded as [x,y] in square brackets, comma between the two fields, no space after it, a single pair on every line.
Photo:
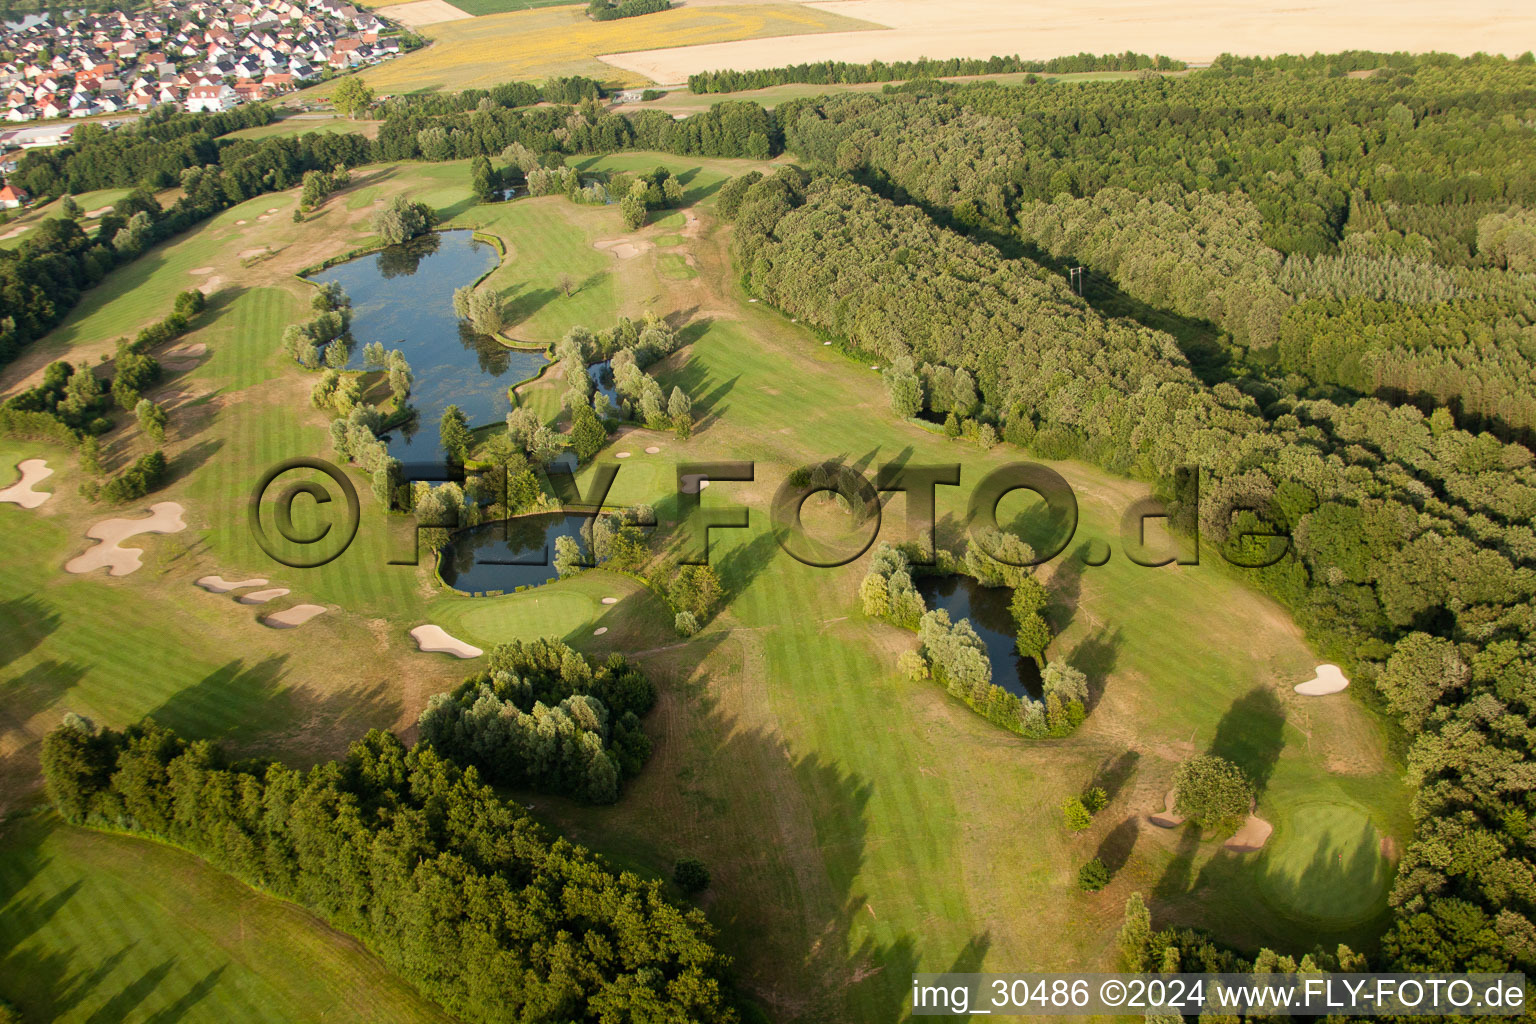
[685,623]
[632,207]
[1135,933]
[71,209]
[400,378]
[587,433]
[400,220]
[690,875]
[152,420]
[1076,815]
[1213,793]
[482,179]
[1033,637]
[1092,876]
[454,433]
[680,412]
[568,561]
[351,96]
[904,387]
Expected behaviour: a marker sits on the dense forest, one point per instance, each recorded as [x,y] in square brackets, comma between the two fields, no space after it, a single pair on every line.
[458,891]
[1361,246]
[838,72]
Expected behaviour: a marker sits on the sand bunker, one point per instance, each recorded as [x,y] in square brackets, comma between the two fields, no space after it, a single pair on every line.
[262,596]
[1329,679]
[211,285]
[220,585]
[185,358]
[652,450]
[1166,818]
[14,231]
[99,212]
[600,630]
[259,250]
[290,618]
[1251,837]
[239,222]
[21,492]
[436,640]
[201,270]
[621,455]
[693,483]
[164,517]
[623,248]
[610,600]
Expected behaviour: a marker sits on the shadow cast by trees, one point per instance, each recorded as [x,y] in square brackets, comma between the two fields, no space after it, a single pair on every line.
[1116,846]
[1251,735]
[1112,775]
[1095,656]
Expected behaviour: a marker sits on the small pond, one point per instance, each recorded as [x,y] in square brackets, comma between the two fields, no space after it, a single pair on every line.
[402,296]
[602,379]
[987,608]
[508,554]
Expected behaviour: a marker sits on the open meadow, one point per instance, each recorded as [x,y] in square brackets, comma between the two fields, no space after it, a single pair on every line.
[554,41]
[1186,31]
[859,825]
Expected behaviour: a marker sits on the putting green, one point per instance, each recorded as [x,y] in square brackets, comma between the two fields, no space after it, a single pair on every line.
[549,610]
[1324,862]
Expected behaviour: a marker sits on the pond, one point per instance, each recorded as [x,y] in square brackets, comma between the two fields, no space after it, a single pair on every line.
[987,608]
[508,554]
[602,379]
[402,296]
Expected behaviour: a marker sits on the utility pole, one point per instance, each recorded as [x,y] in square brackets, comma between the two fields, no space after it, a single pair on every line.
[1076,280]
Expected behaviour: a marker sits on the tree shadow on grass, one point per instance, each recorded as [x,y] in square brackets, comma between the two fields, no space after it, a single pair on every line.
[189,460]
[1116,846]
[1095,656]
[1112,775]
[1251,735]
[24,623]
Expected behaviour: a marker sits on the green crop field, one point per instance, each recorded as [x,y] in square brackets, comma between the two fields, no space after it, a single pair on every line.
[859,825]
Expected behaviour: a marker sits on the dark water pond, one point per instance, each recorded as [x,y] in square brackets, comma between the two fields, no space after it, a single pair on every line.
[602,379]
[508,554]
[403,297]
[987,608]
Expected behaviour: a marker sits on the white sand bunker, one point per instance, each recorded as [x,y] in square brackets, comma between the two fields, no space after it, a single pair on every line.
[1329,679]
[623,248]
[693,483]
[289,618]
[652,450]
[610,600]
[100,211]
[211,285]
[201,270]
[260,250]
[436,640]
[21,493]
[262,596]
[220,585]
[1166,818]
[239,222]
[164,517]
[600,630]
[621,455]
[1251,837]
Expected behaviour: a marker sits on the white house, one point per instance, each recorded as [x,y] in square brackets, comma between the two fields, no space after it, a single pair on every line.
[210,98]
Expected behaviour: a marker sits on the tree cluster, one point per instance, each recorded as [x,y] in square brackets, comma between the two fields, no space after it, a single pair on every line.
[523,927]
[544,716]
[838,72]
